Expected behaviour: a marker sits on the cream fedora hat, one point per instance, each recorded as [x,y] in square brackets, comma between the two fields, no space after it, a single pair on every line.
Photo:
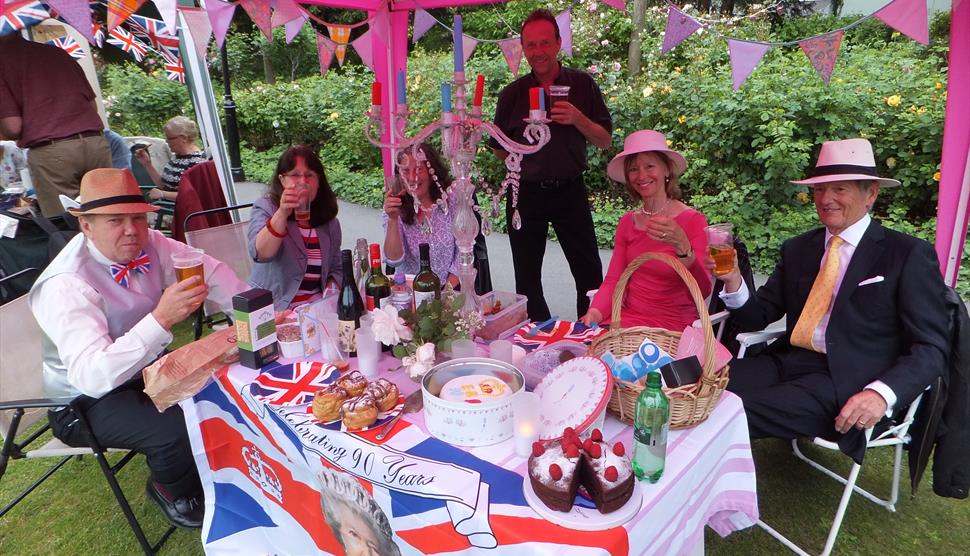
[848,159]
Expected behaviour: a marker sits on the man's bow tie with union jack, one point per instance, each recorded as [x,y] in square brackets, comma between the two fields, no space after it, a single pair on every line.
[121,272]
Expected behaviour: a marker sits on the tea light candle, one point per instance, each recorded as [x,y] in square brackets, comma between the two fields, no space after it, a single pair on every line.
[375,93]
[459,46]
[525,422]
[401,89]
[479,90]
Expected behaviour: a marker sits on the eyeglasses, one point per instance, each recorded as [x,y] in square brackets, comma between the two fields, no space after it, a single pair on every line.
[309,176]
[174,137]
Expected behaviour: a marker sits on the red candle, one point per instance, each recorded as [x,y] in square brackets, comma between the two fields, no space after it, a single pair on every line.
[375,93]
[534,98]
[479,90]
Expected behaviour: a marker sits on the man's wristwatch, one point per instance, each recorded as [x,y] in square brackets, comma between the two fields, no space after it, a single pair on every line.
[687,255]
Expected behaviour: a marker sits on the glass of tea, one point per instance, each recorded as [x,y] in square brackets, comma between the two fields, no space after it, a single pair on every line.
[557,93]
[188,263]
[720,244]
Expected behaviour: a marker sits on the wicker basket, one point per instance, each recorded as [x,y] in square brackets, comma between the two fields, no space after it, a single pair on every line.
[690,404]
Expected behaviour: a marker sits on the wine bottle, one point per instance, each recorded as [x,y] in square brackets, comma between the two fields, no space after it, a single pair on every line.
[349,307]
[361,264]
[427,286]
[378,286]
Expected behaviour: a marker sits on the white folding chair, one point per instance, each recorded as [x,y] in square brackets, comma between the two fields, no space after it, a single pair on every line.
[896,435]
[22,405]
[228,243]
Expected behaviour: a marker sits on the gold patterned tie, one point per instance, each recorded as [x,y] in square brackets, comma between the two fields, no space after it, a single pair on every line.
[819,299]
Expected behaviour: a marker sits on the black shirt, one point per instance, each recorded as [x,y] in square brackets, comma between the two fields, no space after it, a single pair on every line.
[564,156]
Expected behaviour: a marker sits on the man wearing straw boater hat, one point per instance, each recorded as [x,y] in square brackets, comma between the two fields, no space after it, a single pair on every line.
[107,304]
[863,305]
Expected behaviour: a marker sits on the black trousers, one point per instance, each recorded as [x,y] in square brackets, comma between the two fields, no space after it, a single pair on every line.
[126,418]
[790,394]
[565,205]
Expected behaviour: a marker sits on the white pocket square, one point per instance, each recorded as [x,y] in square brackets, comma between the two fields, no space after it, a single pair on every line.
[872,280]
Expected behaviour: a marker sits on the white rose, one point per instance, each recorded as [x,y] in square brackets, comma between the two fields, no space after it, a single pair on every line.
[418,370]
[389,328]
[425,353]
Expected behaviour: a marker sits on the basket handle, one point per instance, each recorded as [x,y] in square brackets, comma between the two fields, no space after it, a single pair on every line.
[695,294]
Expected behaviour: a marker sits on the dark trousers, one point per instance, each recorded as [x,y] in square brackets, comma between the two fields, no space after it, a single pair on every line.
[126,418]
[790,394]
[565,205]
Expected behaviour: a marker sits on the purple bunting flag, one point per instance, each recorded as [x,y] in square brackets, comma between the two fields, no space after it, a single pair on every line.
[823,52]
[325,50]
[293,28]
[422,22]
[167,9]
[618,4]
[512,49]
[908,17]
[77,14]
[365,48]
[198,24]
[745,56]
[220,16]
[564,22]
[468,44]
[284,12]
[679,27]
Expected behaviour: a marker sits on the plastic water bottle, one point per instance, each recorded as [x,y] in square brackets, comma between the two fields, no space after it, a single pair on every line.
[651,423]
[401,295]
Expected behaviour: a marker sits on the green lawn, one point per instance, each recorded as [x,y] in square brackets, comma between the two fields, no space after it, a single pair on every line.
[75,513]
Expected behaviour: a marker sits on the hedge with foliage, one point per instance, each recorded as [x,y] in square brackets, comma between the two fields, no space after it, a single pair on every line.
[742,146]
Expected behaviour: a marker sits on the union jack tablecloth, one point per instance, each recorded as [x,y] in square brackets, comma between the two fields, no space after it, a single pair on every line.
[277,484]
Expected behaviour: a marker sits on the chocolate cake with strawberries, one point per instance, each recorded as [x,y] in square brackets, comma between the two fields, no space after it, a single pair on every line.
[557,469]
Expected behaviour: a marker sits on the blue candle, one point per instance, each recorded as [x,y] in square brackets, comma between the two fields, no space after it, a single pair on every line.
[401,93]
[446,97]
[459,45]
[542,99]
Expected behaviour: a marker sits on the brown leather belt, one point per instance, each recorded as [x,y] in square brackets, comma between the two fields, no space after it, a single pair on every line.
[81,135]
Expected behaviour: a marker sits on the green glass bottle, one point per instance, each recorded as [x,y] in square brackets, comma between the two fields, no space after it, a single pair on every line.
[378,286]
[349,307]
[427,285]
[651,422]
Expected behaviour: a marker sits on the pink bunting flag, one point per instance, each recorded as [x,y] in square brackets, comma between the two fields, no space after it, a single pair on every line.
[823,52]
[284,12]
[258,11]
[293,28]
[679,27]
[167,9]
[745,56]
[512,49]
[220,16]
[618,4]
[77,14]
[365,49]
[199,26]
[908,17]
[564,22]
[325,50]
[381,24]
[422,23]
[468,45]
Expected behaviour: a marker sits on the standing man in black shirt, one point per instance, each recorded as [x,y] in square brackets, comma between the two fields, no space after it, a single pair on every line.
[551,188]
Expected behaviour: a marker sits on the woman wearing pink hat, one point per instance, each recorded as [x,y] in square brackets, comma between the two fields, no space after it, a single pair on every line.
[655,295]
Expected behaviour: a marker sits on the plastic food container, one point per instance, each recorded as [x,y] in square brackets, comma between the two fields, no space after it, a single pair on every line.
[469,424]
[512,312]
[542,361]
[288,336]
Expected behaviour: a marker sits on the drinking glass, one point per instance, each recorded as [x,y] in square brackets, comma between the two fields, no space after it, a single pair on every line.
[501,350]
[302,212]
[720,245]
[556,94]
[463,348]
[188,263]
[368,352]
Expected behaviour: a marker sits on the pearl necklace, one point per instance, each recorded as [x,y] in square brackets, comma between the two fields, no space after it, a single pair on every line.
[648,213]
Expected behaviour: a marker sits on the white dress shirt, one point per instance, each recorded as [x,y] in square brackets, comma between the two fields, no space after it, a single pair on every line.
[851,236]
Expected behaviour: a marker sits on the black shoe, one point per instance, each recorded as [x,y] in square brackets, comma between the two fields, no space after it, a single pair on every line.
[180,512]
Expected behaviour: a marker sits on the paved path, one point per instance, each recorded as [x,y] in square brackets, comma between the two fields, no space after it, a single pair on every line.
[557,282]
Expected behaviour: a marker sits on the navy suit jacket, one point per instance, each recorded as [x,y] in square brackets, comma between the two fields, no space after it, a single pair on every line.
[893,330]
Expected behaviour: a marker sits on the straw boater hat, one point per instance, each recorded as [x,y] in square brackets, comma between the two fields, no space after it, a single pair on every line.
[111,191]
[849,159]
[646,140]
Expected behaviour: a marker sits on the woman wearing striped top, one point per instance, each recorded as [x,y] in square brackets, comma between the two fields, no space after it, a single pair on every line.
[181,134]
[296,261]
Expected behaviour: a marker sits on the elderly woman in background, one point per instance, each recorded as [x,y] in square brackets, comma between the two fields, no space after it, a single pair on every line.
[297,259]
[421,217]
[655,295]
[181,134]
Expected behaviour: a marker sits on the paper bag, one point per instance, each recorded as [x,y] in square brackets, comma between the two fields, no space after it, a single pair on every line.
[186,371]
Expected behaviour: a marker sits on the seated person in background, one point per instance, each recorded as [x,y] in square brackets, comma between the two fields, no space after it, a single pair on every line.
[421,216]
[120,149]
[863,306]
[181,134]
[296,259]
[107,304]
[12,161]
[655,295]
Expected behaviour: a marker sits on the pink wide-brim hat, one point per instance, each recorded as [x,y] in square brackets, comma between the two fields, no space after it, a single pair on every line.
[846,160]
[644,141]
[111,191]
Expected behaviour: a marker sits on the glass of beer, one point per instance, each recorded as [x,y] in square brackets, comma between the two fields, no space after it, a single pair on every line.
[720,244]
[302,212]
[188,264]
[556,94]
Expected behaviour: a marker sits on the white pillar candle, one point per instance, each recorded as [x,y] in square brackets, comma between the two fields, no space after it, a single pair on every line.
[525,422]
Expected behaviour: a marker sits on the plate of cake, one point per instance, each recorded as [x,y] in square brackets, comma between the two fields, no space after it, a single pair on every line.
[585,485]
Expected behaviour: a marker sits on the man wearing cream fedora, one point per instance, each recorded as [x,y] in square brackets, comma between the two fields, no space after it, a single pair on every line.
[107,304]
[863,304]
